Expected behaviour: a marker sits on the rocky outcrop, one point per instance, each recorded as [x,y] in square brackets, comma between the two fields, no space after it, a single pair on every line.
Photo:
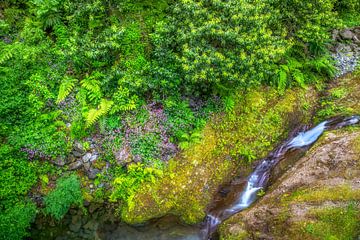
[321,189]
[328,177]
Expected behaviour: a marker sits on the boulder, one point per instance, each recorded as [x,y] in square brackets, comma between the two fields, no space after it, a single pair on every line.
[347,34]
[75,165]
[86,157]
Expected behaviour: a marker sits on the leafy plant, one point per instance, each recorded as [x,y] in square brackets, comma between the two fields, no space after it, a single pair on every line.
[66,193]
[186,140]
[126,183]
[65,88]
[94,114]
[16,220]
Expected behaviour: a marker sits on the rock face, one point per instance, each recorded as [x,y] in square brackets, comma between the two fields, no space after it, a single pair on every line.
[327,177]
[319,191]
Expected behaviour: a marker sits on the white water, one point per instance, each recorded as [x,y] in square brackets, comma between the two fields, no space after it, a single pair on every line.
[304,139]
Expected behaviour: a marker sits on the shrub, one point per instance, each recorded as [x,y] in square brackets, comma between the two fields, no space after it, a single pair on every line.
[15,221]
[66,193]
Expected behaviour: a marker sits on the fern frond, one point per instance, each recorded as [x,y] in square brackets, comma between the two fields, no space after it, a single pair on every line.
[293,64]
[65,88]
[298,76]
[282,80]
[93,86]
[94,114]
[5,57]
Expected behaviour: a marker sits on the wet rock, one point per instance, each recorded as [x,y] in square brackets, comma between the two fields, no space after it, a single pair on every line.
[87,166]
[75,165]
[71,158]
[86,157]
[75,224]
[59,161]
[122,156]
[91,225]
[347,34]
[79,147]
[76,153]
[93,157]
[92,173]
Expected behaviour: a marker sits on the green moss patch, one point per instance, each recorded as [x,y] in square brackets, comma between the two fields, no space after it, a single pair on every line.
[334,223]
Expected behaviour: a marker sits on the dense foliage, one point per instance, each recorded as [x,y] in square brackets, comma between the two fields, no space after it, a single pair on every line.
[66,193]
[138,78]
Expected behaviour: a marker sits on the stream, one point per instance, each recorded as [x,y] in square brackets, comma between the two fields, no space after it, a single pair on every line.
[236,198]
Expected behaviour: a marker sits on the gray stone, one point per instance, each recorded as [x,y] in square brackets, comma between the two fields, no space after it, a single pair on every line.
[347,35]
[79,147]
[76,153]
[86,157]
[92,173]
[59,161]
[87,166]
[93,158]
[122,156]
[75,165]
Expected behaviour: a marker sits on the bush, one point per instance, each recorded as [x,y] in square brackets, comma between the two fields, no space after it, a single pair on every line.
[66,193]
[218,43]
[15,221]
[17,176]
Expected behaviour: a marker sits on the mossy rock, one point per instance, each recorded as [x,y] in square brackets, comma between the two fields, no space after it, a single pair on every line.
[231,141]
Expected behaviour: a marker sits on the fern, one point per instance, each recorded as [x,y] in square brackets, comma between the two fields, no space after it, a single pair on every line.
[5,57]
[281,79]
[92,85]
[298,76]
[94,114]
[65,88]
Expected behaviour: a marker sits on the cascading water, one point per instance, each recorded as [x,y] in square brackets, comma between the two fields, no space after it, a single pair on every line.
[260,176]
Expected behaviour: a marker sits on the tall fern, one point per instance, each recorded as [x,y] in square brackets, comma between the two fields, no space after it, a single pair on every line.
[92,85]
[65,88]
[94,114]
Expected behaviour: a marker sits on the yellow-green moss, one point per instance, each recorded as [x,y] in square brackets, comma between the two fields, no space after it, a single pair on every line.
[260,119]
[356,145]
[338,193]
[340,223]
[343,97]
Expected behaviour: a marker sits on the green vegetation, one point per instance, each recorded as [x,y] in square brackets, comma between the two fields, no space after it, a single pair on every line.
[335,223]
[136,82]
[338,193]
[190,180]
[66,193]
[15,221]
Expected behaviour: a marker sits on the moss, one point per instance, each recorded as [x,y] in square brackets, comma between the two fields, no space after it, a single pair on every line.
[342,98]
[235,233]
[356,145]
[334,223]
[260,119]
[338,193]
